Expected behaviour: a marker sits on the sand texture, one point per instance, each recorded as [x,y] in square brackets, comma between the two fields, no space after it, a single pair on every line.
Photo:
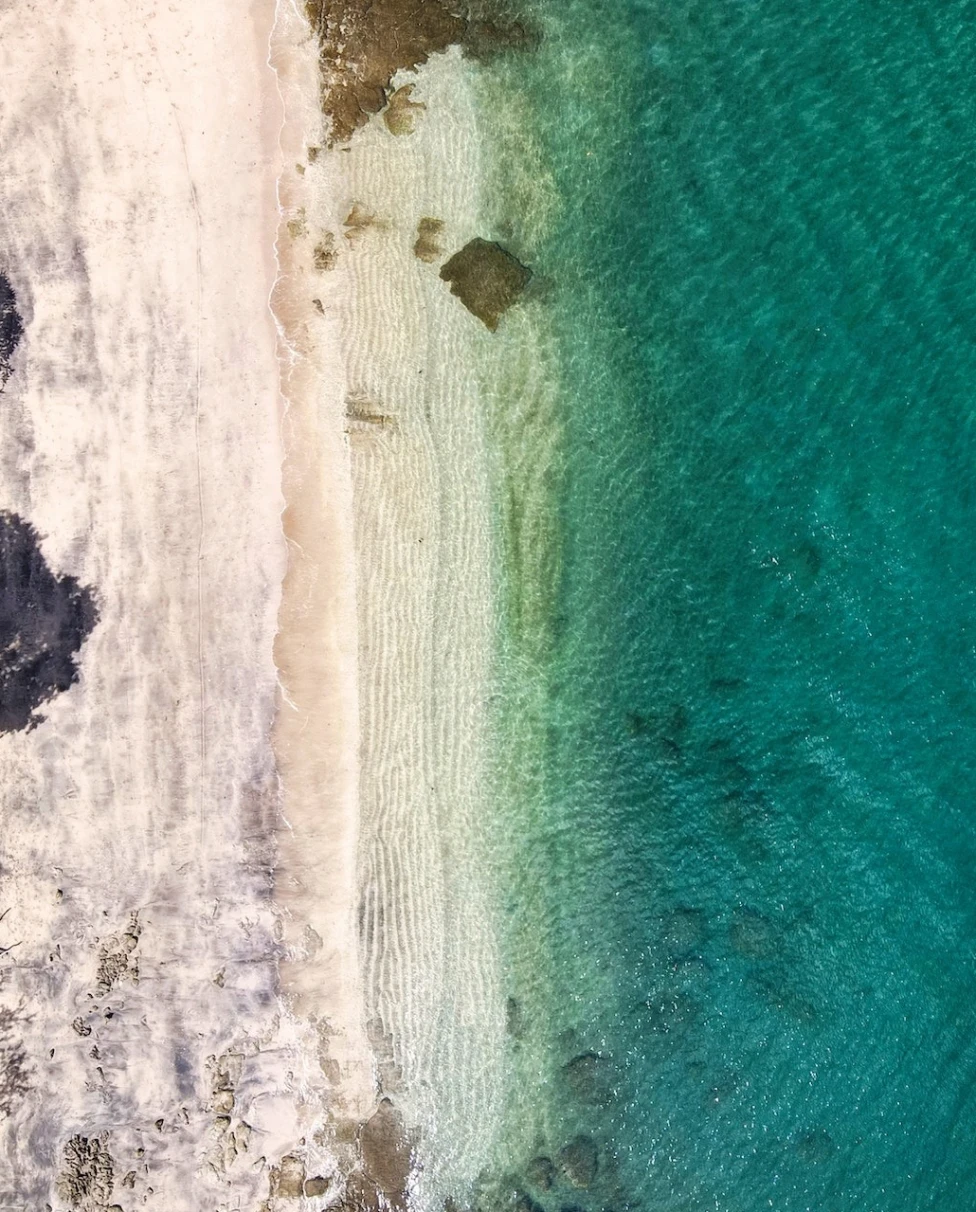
[143,1057]
[247,950]
[389,416]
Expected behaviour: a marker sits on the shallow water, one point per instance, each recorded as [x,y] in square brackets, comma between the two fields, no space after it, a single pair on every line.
[737,742]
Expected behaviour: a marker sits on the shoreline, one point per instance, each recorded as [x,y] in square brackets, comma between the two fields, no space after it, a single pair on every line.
[380,737]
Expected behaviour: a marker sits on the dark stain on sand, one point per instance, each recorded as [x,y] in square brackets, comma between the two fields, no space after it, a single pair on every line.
[11,328]
[44,620]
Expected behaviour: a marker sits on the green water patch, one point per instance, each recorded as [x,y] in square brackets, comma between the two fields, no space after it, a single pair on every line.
[737,689]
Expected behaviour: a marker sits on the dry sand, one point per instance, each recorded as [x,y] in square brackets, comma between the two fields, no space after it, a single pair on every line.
[139,432]
[240,855]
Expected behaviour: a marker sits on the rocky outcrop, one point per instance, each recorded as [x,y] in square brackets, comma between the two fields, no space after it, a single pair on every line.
[364,43]
[486,278]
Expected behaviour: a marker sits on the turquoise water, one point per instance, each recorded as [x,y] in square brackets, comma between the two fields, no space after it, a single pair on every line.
[746,883]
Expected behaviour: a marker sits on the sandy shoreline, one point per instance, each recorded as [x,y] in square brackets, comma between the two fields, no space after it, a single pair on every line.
[386,426]
[240,855]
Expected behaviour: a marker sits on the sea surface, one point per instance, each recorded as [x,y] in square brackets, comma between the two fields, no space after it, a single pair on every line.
[736,722]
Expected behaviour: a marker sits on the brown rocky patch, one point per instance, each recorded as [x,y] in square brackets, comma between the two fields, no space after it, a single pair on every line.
[486,278]
[117,959]
[426,246]
[579,1161]
[364,43]
[324,254]
[401,113]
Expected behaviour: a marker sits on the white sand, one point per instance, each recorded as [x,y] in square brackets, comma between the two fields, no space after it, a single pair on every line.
[140,434]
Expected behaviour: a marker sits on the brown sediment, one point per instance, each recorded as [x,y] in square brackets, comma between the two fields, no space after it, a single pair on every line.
[486,278]
[364,43]
[401,113]
[324,255]
[359,220]
[426,247]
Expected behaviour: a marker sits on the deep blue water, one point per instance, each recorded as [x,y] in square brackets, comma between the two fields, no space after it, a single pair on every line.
[749,840]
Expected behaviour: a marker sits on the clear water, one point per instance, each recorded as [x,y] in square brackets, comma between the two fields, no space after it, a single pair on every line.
[738,731]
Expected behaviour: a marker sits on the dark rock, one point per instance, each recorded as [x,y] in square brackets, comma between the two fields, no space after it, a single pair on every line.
[316,1186]
[486,279]
[590,1077]
[11,328]
[44,620]
[541,1173]
[579,1161]
[387,1154]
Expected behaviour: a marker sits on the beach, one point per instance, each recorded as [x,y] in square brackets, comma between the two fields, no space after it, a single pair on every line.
[366,225]
[251,439]
[140,435]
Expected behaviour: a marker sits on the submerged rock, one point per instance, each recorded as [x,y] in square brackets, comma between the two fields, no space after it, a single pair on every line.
[44,620]
[387,1153]
[541,1172]
[514,1018]
[671,1012]
[426,248]
[682,930]
[580,1160]
[815,1146]
[486,278]
[525,1203]
[590,1077]
[401,112]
